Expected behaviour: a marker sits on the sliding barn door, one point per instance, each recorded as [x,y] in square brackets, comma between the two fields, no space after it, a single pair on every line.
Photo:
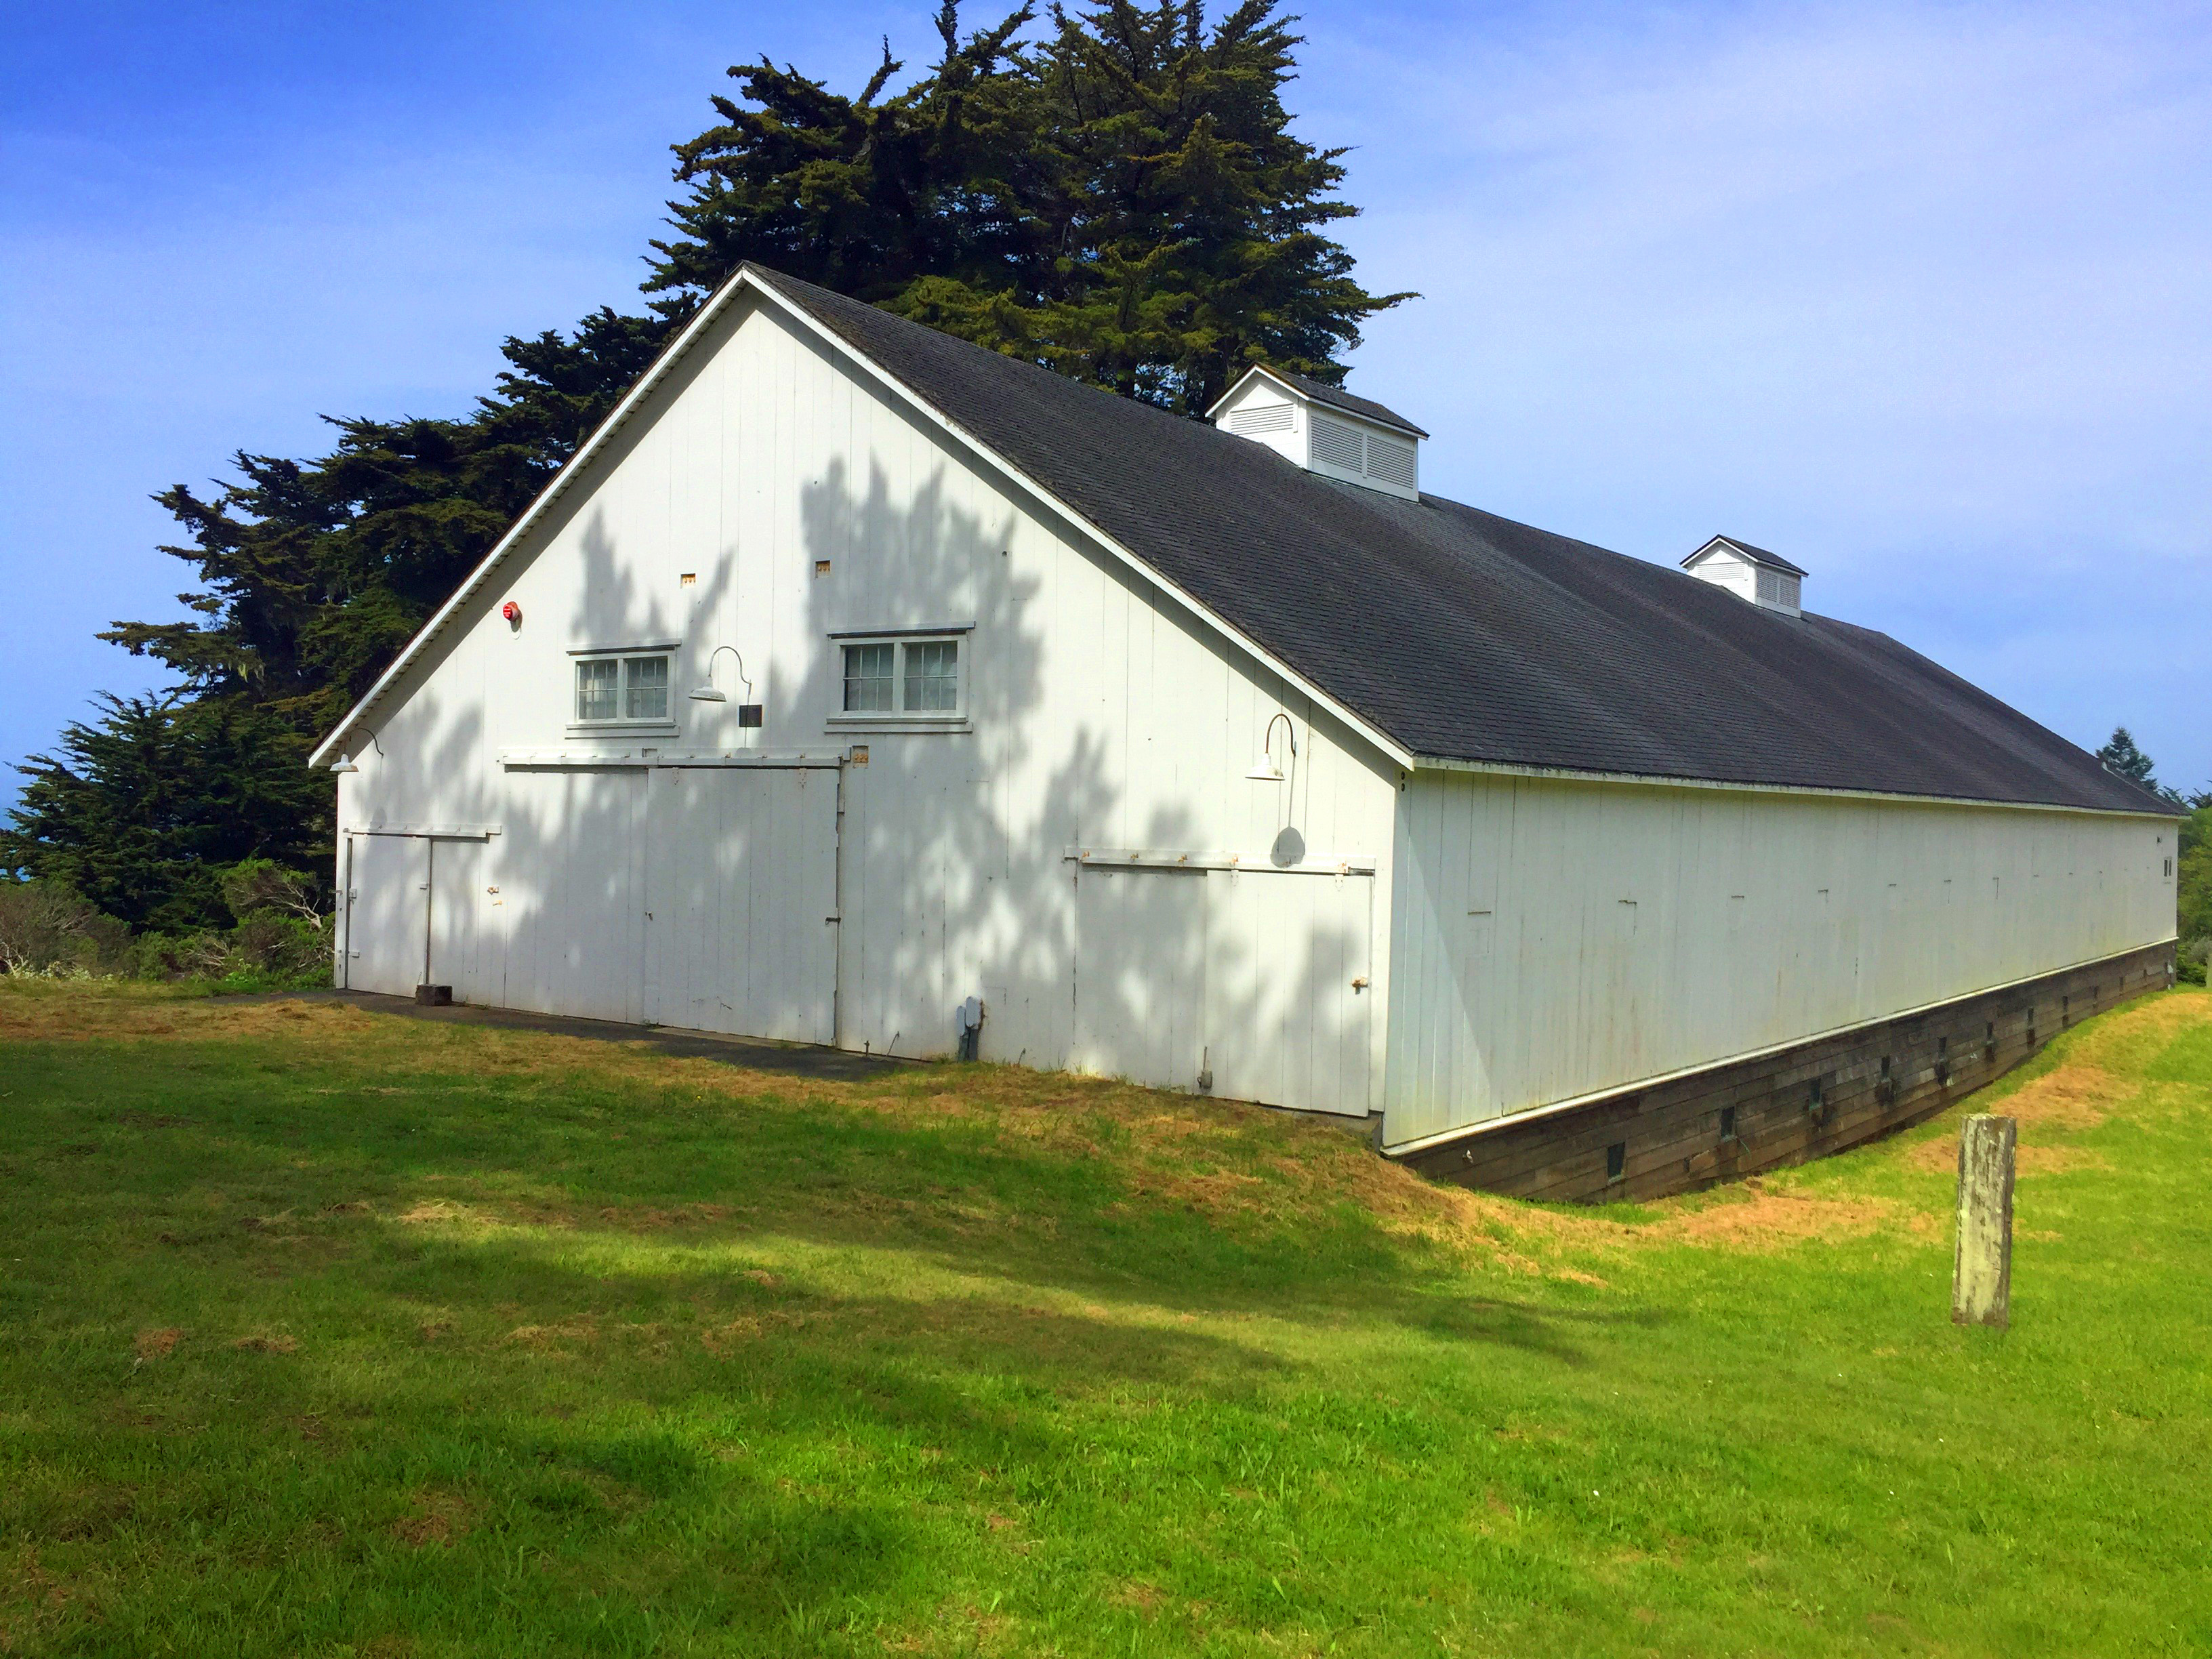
[1250,985]
[741,897]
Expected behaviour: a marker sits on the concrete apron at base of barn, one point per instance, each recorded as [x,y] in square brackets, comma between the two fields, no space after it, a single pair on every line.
[1788,1106]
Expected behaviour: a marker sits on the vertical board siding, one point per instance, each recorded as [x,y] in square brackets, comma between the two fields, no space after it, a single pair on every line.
[1102,716]
[1554,939]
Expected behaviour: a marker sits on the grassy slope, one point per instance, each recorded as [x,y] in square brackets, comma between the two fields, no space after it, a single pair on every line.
[326,1332]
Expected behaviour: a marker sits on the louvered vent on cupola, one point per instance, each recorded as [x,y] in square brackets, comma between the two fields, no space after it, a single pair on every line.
[1325,429]
[1766,579]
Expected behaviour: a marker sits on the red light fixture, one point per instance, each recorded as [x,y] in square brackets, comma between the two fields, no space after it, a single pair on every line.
[513,612]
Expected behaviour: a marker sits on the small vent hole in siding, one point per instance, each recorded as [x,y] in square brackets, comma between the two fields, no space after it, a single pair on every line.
[1728,1123]
[1335,444]
[1616,1160]
[1260,417]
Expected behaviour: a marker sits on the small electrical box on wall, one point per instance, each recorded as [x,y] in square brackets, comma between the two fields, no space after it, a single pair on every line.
[749,713]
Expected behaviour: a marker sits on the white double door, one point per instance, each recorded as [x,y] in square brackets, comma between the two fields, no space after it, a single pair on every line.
[1250,985]
[411,907]
[740,901]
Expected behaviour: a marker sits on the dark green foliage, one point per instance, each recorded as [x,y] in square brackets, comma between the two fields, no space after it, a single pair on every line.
[2120,754]
[2195,909]
[311,575]
[1119,197]
[2122,757]
[1121,200]
[140,811]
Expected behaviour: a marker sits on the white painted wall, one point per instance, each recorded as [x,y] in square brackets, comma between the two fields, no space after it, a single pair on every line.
[1732,571]
[1102,715]
[1553,939]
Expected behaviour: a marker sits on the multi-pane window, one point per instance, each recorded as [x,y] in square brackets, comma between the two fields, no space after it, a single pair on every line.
[614,689]
[645,688]
[868,678]
[933,677]
[902,677]
[598,689]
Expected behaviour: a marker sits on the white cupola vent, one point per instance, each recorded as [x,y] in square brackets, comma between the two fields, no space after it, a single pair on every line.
[1752,574]
[1324,430]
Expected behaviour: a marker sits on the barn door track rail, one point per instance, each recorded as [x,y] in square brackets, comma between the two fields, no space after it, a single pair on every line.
[429,831]
[1167,857]
[601,759]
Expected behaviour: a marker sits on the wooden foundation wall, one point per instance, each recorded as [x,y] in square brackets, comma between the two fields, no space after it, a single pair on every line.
[1789,1106]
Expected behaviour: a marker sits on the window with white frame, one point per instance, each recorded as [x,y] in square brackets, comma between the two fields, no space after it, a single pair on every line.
[625,689]
[897,679]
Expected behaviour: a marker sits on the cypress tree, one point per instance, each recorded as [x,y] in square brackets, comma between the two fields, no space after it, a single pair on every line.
[1116,195]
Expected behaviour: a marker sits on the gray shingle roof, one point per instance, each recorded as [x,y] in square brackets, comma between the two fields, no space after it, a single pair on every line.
[1463,635]
[1337,397]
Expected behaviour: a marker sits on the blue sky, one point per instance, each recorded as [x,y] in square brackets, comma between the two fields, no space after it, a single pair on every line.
[1919,295]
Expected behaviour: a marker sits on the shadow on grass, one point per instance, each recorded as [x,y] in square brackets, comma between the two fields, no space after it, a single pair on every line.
[645,1364]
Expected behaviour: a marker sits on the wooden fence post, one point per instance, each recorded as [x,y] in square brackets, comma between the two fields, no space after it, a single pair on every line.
[1981,1275]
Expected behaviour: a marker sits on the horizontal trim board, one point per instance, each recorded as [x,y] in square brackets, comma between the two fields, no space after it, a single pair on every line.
[622,728]
[623,650]
[1171,858]
[572,760]
[900,632]
[1643,1085]
[1658,781]
[430,831]
[888,726]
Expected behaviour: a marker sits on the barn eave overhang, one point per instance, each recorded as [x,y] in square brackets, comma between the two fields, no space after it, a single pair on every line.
[1446,763]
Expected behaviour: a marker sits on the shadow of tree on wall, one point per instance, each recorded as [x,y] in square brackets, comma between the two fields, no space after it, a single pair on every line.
[952,879]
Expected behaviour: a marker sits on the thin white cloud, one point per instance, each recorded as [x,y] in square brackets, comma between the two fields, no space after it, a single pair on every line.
[1921,295]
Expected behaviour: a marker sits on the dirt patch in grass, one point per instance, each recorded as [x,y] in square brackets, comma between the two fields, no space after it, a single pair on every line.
[2077,1096]
[439,1518]
[551,1338]
[126,1012]
[1941,1156]
[157,1345]
[262,1344]
[1764,1220]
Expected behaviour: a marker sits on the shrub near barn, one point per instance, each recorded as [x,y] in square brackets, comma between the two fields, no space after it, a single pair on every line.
[2194,869]
[278,937]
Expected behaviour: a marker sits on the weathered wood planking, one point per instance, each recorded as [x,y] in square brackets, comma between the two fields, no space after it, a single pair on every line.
[1672,1131]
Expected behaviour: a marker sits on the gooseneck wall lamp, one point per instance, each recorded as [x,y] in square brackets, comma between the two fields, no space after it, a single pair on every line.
[748,711]
[1266,769]
[711,693]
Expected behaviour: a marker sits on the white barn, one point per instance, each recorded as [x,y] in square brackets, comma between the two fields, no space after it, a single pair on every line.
[850,672]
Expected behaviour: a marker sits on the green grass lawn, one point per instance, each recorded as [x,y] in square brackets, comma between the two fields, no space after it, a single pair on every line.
[325,1333]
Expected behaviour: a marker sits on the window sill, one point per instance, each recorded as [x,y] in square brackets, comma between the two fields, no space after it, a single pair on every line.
[893,723]
[622,728]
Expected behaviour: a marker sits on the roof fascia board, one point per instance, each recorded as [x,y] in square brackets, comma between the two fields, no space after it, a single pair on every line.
[602,434]
[1658,780]
[1397,752]
[1765,560]
[1263,372]
[1222,402]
